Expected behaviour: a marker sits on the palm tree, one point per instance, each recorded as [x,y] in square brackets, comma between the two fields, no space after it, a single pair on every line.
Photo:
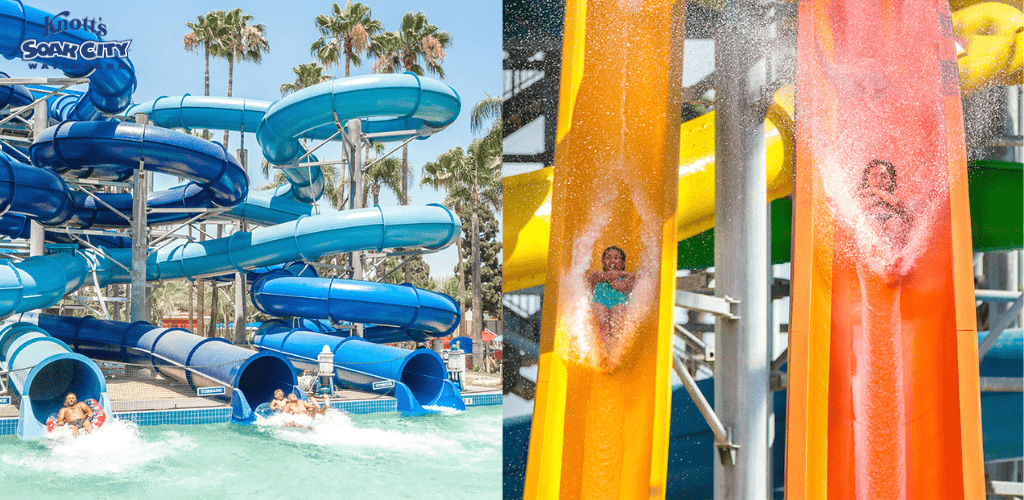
[347,32]
[243,42]
[306,75]
[414,41]
[488,108]
[207,34]
[446,173]
[385,173]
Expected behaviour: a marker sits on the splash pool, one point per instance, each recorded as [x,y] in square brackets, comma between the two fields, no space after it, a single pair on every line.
[455,455]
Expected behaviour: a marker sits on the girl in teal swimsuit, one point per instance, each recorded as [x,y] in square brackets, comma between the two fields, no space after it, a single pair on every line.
[611,287]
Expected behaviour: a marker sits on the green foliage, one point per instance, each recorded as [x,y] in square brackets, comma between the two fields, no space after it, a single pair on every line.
[415,41]
[306,75]
[490,259]
[420,273]
[347,33]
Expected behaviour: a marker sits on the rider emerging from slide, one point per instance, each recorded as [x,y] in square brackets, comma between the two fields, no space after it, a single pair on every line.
[76,414]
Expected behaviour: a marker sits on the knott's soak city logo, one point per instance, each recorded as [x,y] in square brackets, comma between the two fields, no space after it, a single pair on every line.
[89,50]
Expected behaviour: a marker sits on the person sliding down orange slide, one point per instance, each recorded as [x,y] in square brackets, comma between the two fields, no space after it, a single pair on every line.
[883,397]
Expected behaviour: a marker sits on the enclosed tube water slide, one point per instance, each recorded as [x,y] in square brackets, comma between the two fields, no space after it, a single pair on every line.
[390,107]
[248,378]
[40,282]
[42,371]
[398,313]
[883,383]
[417,379]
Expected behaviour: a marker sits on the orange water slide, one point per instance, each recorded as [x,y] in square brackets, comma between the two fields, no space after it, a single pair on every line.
[883,365]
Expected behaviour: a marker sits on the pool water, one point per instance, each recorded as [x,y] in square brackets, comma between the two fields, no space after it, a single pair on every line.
[383,455]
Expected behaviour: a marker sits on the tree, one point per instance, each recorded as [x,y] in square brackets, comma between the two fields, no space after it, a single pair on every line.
[385,173]
[414,41]
[445,174]
[241,41]
[490,261]
[420,273]
[208,32]
[473,182]
[306,75]
[347,32]
[489,108]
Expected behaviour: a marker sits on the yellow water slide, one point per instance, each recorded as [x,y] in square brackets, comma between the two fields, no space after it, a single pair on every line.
[601,414]
[990,33]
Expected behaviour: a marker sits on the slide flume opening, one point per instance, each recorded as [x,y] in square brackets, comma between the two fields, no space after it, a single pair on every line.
[424,376]
[262,375]
[56,379]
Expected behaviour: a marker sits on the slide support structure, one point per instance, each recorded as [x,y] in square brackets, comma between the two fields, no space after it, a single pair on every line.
[742,394]
[140,240]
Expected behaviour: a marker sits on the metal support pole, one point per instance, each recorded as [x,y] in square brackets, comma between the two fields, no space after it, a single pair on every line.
[742,393]
[241,316]
[37,237]
[140,240]
[355,166]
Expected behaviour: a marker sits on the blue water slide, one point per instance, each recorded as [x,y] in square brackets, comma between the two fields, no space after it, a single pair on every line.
[400,312]
[40,282]
[111,84]
[417,379]
[15,95]
[42,370]
[402,104]
[248,378]
[228,113]
[114,150]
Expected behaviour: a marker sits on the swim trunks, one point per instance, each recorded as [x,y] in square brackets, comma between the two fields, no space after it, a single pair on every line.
[609,297]
[80,423]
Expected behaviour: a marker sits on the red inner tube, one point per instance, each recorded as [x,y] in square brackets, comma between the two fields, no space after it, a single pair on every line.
[99,417]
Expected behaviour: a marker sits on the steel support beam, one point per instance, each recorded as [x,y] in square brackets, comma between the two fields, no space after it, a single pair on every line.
[743,357]
[140,240]
[355,168]
[37,236]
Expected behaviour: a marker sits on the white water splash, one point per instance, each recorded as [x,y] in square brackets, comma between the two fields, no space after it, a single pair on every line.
[335,429]
[114,448]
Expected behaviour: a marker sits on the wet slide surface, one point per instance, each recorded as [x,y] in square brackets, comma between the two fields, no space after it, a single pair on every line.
[883,354]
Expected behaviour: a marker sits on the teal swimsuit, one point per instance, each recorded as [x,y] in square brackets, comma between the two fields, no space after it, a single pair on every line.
[609,297]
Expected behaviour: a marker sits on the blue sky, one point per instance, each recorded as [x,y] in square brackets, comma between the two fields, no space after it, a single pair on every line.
[472,66]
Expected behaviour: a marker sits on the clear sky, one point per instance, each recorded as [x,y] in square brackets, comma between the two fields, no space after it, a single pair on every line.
[472,66]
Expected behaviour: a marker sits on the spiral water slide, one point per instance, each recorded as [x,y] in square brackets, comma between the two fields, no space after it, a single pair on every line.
[392,107]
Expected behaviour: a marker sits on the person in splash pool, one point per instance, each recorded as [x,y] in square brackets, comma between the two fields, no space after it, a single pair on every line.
[278,402]
[878,194]
[295,406]
[75,413]
[611,287]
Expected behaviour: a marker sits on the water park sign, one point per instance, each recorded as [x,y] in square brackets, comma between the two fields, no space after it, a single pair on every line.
[6,400]
[210,391]
[88,50]
[384,384]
